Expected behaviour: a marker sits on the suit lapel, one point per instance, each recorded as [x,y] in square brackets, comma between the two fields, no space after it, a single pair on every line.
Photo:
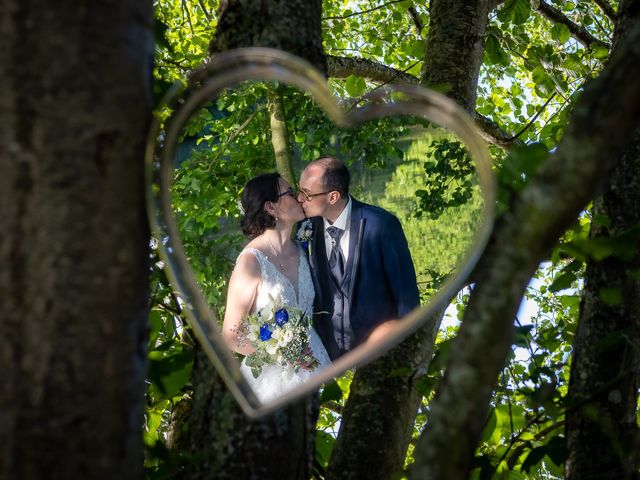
[356,232]
[317,259]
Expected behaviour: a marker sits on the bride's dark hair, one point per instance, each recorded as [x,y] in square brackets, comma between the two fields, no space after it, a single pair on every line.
[258,191]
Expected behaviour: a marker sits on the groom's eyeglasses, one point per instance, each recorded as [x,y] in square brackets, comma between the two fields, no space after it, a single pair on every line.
[309,196]
[290,191]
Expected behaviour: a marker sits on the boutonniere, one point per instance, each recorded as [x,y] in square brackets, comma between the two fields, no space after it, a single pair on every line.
[304,234]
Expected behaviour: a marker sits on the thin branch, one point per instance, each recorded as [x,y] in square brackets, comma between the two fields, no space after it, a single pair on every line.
[363,11]
[577,31]
[417,21]
[206,12]
[606,8]
[185,9]
[536,115]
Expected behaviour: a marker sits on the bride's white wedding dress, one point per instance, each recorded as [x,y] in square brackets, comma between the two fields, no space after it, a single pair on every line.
[276,380]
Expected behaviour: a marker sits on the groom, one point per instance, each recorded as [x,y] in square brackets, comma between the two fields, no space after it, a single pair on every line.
[360,261]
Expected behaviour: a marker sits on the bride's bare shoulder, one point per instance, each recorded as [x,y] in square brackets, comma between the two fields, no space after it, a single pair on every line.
[247,262]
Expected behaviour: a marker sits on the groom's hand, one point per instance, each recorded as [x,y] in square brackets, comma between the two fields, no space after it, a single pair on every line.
[382,331]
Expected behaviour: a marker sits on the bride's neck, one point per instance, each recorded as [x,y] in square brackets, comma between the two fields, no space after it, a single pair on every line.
[278,237]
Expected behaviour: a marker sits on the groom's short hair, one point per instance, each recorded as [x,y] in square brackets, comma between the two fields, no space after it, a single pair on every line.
[336,174]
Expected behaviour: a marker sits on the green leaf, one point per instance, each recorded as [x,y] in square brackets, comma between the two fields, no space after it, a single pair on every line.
[544,83]
[534,458]
[495,55]
[331,392]
[523,335]
[416,48]
[611,295]
[490,427]
[557,450]
[560,32]
[171,372]
[562,281]
[569,301]
[614,340]
[355,86]
[601,53]
[515,11]
[483,463]
[324,447]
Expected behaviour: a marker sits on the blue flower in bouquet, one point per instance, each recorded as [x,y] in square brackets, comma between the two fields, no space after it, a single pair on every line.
[265,332]
[281,317]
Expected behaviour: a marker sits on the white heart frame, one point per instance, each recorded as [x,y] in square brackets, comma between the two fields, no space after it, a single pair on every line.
[264,64]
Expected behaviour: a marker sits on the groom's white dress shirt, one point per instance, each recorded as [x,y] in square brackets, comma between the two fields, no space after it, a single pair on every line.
[343,222]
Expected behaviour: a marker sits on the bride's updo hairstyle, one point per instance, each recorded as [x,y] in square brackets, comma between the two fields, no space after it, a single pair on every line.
[258,191]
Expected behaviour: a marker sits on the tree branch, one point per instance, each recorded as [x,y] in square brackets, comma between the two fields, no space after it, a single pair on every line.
[492,133]
[206,12]
[606,8]
[342,67]
[577,31]
[417,21]
[602,126]
[363,11]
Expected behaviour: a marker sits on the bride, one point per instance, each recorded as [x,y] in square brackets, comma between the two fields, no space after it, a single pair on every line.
[270,268]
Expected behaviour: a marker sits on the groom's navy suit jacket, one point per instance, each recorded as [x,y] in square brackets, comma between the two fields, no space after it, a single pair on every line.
[379,281]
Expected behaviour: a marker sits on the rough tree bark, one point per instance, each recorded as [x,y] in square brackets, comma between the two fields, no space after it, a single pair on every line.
[378,418]
[455,44]
[602,125]
[290,25]
[380,387]
[280,135]
[76,101]
[601,430]
[223,441]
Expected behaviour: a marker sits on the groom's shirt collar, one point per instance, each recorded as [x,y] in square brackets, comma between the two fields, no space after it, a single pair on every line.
[342,222]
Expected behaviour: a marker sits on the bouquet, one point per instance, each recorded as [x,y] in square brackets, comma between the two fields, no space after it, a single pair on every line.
[280,337]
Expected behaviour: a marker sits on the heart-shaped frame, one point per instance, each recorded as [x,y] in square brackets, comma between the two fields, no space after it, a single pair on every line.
[263,64]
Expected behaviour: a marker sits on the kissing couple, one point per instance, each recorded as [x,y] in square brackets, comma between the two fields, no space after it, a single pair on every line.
[295,305]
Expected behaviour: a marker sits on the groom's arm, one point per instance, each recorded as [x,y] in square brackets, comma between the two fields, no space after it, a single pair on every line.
[399,270]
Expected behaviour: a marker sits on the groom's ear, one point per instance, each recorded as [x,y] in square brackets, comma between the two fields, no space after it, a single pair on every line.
[334,197]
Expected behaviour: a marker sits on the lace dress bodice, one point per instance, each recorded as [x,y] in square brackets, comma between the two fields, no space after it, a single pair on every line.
[276,285]
[276,380]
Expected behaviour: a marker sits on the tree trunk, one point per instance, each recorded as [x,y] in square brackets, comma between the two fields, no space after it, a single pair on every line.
[74,110]
[373,390]
[293,26]
[224,442]
[372,442]
[280,135]
[603,124]
[601,429]
[455,45]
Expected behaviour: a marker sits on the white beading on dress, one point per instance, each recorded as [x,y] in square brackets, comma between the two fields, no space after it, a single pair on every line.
[276,380]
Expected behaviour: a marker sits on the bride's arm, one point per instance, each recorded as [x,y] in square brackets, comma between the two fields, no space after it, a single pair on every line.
[241,295]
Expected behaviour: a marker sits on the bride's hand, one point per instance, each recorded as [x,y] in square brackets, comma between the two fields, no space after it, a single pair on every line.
[309,362]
